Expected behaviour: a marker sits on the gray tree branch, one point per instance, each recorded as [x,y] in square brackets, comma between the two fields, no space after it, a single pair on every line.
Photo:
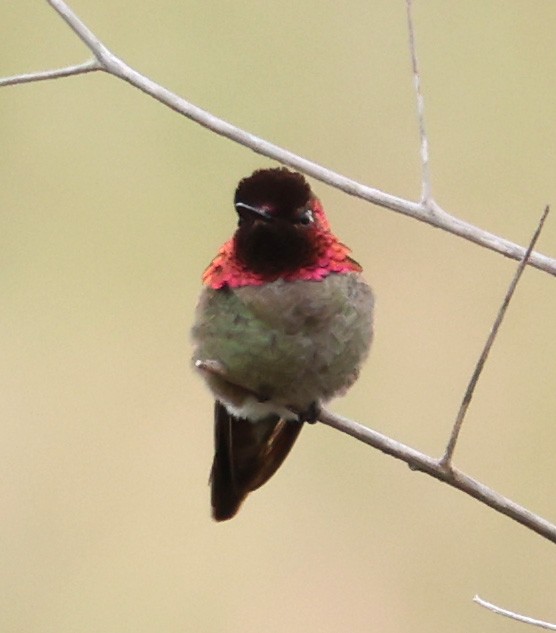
[449,475]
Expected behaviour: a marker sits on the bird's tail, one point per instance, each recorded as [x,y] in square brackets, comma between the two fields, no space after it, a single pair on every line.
[247,454]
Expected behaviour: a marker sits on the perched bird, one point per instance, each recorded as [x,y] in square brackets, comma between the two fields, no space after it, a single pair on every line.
[283,325]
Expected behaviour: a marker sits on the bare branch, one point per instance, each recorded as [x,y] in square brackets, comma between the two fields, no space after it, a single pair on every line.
[426,185]
[431,214]
[67,71]
[435,468]
[514,616]
[446,460]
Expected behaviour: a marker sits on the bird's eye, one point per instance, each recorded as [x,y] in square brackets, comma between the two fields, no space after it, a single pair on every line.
[306,217]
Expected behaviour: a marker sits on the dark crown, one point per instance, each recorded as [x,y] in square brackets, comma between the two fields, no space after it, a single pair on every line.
[280,189]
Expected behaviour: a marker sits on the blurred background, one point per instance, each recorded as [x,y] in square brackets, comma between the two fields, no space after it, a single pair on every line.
[111,206]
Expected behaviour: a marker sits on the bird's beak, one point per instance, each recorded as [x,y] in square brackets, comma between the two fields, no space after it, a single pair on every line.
[246,211]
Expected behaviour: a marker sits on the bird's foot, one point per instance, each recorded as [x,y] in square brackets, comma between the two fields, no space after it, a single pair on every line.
[311,414]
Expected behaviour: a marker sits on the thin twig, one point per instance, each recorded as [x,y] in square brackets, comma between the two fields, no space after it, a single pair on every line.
[431,214]
[447,458]
[67,71]
[426,186]
[514,616]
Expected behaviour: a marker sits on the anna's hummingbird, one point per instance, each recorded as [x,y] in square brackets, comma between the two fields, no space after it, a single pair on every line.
[283,325]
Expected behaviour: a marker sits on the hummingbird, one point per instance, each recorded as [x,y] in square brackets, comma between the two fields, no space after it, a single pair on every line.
[283,325]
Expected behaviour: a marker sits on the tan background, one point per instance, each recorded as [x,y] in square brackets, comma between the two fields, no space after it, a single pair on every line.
[112,205]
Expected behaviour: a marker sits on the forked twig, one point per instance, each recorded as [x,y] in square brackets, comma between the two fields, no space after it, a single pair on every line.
[447,458]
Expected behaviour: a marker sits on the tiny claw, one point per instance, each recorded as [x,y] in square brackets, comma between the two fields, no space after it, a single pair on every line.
[311,414]
[211,367]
